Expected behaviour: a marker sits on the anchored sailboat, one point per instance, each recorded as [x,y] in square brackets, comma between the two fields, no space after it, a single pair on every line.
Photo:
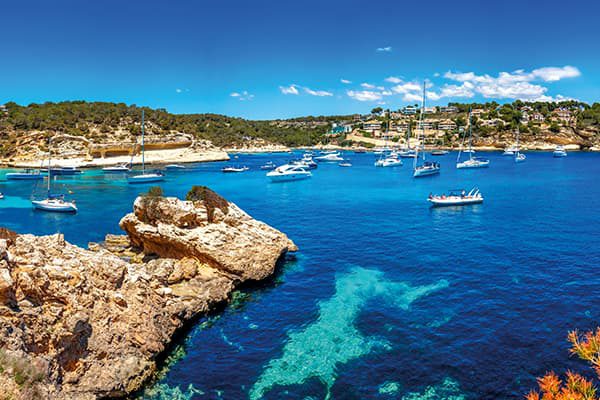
[54,202]
[519,157]
[145,177]
[427,168]
[472,162]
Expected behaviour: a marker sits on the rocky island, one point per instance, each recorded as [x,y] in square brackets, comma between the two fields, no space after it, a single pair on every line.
[90,323]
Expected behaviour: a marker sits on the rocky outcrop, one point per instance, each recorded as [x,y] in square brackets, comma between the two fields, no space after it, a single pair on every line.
[89,323]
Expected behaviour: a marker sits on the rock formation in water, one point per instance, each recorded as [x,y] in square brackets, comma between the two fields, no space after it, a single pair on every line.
[89,323]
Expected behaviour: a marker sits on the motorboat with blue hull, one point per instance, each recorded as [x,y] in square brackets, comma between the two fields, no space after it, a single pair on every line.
[456,198]
[288,172]
[559,152]
[27,175]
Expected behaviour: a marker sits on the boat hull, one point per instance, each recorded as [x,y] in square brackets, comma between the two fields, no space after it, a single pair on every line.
[43,205]
[289,177]
[16,176]
[145,178]
[467,165]
[559,155]
[454,202]
[420,173]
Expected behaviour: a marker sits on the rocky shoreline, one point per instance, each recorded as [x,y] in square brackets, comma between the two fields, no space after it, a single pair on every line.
[90,323]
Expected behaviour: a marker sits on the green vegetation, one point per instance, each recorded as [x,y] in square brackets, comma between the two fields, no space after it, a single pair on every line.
[155,191]
[210,199]
[24,373]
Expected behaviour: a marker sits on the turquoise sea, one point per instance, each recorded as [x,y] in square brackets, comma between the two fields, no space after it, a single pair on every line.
[387,298]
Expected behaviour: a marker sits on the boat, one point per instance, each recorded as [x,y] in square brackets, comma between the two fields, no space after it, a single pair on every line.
[407,152]
[1,196]
[427,168]
[305,162]
[519,157]
[288,172]
[65,170]
[117,168]
[559,152]
[439,152]
[330,157]
[268,166]
[472,162]
[388,162]
[145,177]
[54,202]
[509,151]
[456,198]
[174,167]
[26,175]
[360,151]
[230,169]
[345,164]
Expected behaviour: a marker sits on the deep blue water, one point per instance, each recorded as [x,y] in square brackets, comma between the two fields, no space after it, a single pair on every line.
[388,298]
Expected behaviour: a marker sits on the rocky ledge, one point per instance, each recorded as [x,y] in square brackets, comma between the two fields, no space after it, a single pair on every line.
[89,323]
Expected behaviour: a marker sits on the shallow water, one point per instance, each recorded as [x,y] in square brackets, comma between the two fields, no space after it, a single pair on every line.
[388,298]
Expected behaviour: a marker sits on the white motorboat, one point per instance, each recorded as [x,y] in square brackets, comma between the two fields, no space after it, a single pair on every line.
[456,198]
[55,203]
[408,153]
[117,168]
[174,167]
[519,157]
[68,170]
[510,151]
[345,164]
[270,165]
[27,175]
[145,177]
[231,169]
[1,196]
[559,152]
[331,157]
[388,162]
[288,172]
[472,162]
[427,168]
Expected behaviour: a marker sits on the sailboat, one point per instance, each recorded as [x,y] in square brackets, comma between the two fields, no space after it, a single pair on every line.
[472,162]
[519,157]
[54,202]
[407,152]
[145,177]
[427,168]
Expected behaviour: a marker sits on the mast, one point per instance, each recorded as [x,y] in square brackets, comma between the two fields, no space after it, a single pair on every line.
[422,138]
[470,136]
[143,160]
[517,153]
[49,164]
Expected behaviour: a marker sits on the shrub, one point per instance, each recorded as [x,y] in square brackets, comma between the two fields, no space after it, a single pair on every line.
[155,191]
[210,199]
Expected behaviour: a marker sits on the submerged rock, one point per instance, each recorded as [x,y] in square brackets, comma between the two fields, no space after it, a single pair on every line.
[87,324]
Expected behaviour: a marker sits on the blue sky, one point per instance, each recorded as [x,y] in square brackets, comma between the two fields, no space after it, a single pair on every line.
[277,59]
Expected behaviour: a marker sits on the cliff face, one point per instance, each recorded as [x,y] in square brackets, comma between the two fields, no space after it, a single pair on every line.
[86,324]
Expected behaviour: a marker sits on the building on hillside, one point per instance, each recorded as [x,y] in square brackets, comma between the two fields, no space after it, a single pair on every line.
[477,112]
[396,115]
[449,109]
[430,110]
[494,122]
[3,108]
[402,125]
[447,125]
[537,117]
[356,117]
[563,114]
[526,109]
[372,125]
[410,110]
[525,118]
[425,124]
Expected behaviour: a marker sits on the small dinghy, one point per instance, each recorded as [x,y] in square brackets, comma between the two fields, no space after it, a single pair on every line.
[345,164]
[174,167]
[268,166]
[234,169]
[456,198]
[117,168]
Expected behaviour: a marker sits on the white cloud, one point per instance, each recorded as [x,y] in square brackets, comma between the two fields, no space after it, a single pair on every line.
[345,81]
[552,74]
[179,90]
[385,49]
[393,79]
[319,93]
[243,96]
[367,86]
[518,84]
[412,97]
[406,88]
[289,89]
[364,95]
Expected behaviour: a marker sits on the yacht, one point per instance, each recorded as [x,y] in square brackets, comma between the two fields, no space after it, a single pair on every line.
[65,170]
[510,151]
[427,168]
[28,174]
[519,157]
[559,151]
[117,168]
[174,167]
[388,162]
[288,172]
[439,152]
[472,162]
[330,157]
[407,153]
[268,166]
[456,198]
[231,169]
[145,177]
[345,164]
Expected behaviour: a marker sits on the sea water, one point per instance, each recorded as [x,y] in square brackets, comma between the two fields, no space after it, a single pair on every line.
[387,297]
